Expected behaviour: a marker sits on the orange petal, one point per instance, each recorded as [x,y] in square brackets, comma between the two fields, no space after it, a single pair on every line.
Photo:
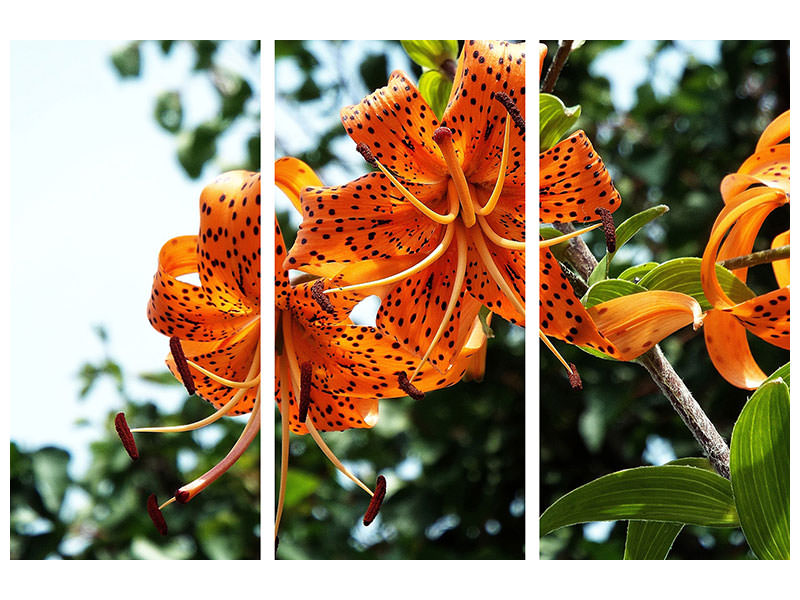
[229,244]
[486,68]
[561,314]
[769,166]
[753,199]
[292,176]
[188,311]
[482,286]
[412,311]
[396,124]
[776,132]
[637,322]
[781,267]
[726,342]
[364,230]
[742,235]
[231,359]
[574,182]
[767,316]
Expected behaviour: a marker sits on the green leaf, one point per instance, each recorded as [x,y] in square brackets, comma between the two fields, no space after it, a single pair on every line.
[435,89]
[626,231]
[608,289]
[783,373]
[671,493]
[169,111]
[683,275]
[555,120]
[650,540]
[760,470]
[160,378]
[127,60]
[50,470]
[637,271]
[431,53]
[299,485]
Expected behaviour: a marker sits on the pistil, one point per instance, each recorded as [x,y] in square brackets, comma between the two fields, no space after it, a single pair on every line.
[443,138]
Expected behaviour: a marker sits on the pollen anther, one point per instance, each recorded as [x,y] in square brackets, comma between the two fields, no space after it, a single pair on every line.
[608,228]
[575,378]
[125,435]
[376,501]
[180,362]
[364,151]
[155,514]
[513,112]
[305,391]
[408,387]
[319,297]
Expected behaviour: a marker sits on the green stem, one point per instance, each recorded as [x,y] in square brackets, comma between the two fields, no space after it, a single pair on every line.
[756,258]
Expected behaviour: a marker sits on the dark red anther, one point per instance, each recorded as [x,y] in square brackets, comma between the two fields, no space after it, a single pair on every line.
[320,298]
[575,378]
[513,112]
[377,500]
[182,496]
[155,514]
[180,362]
[408,387]
[442,134]
[608,228]
[125,435]
[364,151]
[305,391]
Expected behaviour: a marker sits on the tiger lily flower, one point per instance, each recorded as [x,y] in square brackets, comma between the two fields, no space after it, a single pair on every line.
[746,208]
[575,186]
[330,373]
[214,327]
[440,229]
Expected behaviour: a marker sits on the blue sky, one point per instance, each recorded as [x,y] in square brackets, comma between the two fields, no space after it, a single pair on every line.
[96,190]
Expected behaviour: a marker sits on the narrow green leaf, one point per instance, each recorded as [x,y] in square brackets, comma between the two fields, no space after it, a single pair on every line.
[555,120]
[608,289]
[760,470]
[671,493]
[625,232]
[650,540]
[435,89]
[430,53]
[683,275]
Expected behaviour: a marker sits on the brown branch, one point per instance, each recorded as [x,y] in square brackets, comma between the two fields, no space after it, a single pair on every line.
[663,374]
[756,258]
[560,59]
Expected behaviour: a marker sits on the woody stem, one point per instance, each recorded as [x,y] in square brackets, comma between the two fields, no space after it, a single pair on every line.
[560,59]
[665,377]
[756,258]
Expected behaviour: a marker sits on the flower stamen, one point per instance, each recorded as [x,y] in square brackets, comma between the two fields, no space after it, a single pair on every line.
[480,245]
[608,228]
[491,203]
[513,111]
[376,501]
[180,362]
[154,510]
[575,378]
[319,297]
[126,436]
[408,387]
[305,391]
[431,214]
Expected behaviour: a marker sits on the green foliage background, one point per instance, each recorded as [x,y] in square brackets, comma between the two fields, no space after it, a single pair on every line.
[468,500]
[101,514]
[673,150]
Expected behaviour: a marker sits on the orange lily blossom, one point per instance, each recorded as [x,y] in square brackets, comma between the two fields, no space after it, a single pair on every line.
[575,186]
[214,327]
[440,230]
[330,373]
[745,210]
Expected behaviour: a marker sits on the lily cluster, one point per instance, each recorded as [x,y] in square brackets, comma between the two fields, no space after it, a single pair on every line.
[436,230]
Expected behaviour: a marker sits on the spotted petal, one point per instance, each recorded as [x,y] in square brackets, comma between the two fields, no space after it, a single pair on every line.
[574,182]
